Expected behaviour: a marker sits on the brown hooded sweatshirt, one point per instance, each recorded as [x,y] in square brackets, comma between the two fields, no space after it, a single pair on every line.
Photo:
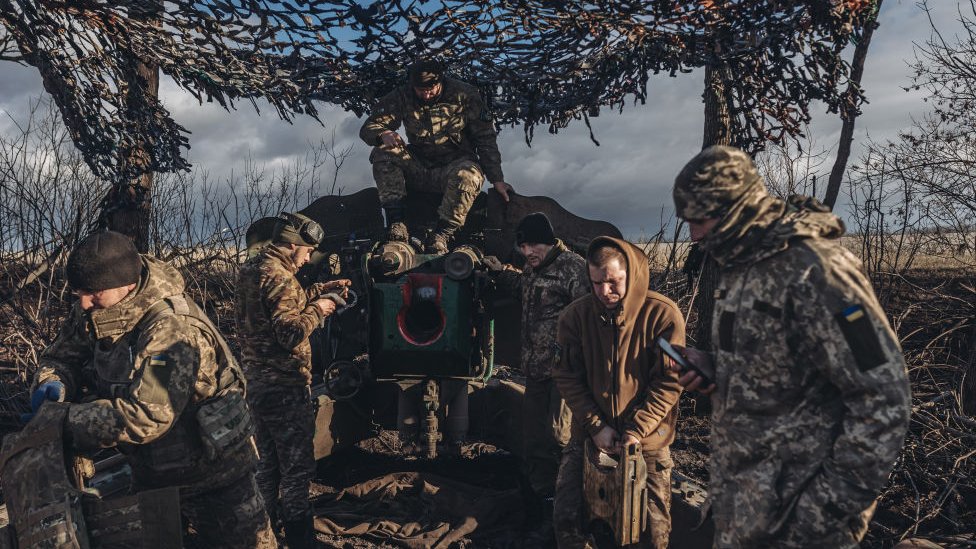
[608,365]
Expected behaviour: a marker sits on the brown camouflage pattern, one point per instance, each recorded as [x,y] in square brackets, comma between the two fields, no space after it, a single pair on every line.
[812,400]
[147,379]
[560,279]
[285,422]
[396,171]
[456,125]
[232,517]
[275,319]
[568,505]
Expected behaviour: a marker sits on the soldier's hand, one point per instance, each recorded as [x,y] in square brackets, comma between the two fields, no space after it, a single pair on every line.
[627,442]
[606,439]
[52,390]
[339,287]
[691,380]
[325,306]
[493,264]
[391,140]
[503,189]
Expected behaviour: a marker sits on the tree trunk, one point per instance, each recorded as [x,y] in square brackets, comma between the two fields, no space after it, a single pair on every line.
[848,111]
[717,122]
[701,268]
[128,207]
[717,132]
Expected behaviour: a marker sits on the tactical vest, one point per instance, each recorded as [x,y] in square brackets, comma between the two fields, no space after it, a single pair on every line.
[48,511]
[210,434]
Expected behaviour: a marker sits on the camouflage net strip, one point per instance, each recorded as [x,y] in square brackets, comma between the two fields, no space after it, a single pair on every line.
[539,62]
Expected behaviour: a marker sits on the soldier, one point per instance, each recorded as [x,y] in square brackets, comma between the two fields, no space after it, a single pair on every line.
[554,276]
[160,384]
[275,317]
[612,376]
[452,147]
[810,397]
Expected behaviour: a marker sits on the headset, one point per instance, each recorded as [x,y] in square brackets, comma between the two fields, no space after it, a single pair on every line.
[308,229]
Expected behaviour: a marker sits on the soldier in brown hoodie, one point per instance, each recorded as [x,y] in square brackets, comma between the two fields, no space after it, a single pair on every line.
[610,371]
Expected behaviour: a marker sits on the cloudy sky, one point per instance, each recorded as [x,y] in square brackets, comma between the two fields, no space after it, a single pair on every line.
[626,180]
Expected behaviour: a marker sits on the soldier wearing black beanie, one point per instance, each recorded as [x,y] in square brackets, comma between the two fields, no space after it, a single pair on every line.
[102,261]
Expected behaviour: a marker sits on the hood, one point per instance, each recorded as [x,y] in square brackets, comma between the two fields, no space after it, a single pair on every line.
[157,281]
[760,225]
[638,277]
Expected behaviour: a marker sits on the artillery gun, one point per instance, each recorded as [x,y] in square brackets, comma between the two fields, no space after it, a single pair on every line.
[416,347]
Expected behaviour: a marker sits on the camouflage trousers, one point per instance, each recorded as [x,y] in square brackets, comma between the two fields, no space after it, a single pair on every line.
[396,171]
[546,422]
[232,517]
[285,423]
[568,507]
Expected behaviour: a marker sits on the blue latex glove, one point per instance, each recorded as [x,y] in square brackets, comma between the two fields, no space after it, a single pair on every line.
[52,390]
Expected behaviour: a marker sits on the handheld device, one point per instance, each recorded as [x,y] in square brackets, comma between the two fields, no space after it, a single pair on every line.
[682,362]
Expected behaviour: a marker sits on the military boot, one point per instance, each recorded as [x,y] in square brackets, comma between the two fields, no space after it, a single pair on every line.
[396,229]
[437,242]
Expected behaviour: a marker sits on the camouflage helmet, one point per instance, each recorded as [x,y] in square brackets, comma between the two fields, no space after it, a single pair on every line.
[713,181]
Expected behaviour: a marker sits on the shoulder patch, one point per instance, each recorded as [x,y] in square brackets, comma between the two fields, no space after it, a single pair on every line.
[855,323]
[159,360]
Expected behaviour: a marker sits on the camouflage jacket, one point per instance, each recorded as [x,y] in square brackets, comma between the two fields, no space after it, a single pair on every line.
[544,293]
[142,377]
[454,125]
[812,400]
[275,320]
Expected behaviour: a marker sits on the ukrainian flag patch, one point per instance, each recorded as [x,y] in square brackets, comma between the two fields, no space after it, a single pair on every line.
[159,360]
[862,339]
[853,313]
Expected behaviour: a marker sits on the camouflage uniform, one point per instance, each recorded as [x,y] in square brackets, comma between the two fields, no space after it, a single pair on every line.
[544,291]
[154,365]
[275,320]
[452,147]
[812,400]
[611,373]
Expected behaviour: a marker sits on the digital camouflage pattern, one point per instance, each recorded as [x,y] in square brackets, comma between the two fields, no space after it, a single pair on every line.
[546,428]
[560,279]
[812,400]
[275,318]
[546,420]
[452,147]
[149,374]
[569,508]
[285,423]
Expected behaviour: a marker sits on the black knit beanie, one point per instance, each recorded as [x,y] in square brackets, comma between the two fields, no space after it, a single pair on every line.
[102,261]
[534,229]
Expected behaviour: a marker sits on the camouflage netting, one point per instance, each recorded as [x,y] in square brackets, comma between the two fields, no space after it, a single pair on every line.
[539,62]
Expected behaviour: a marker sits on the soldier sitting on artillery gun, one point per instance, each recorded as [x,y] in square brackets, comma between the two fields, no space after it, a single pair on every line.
[160,384]
[452,147]
[616,384]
